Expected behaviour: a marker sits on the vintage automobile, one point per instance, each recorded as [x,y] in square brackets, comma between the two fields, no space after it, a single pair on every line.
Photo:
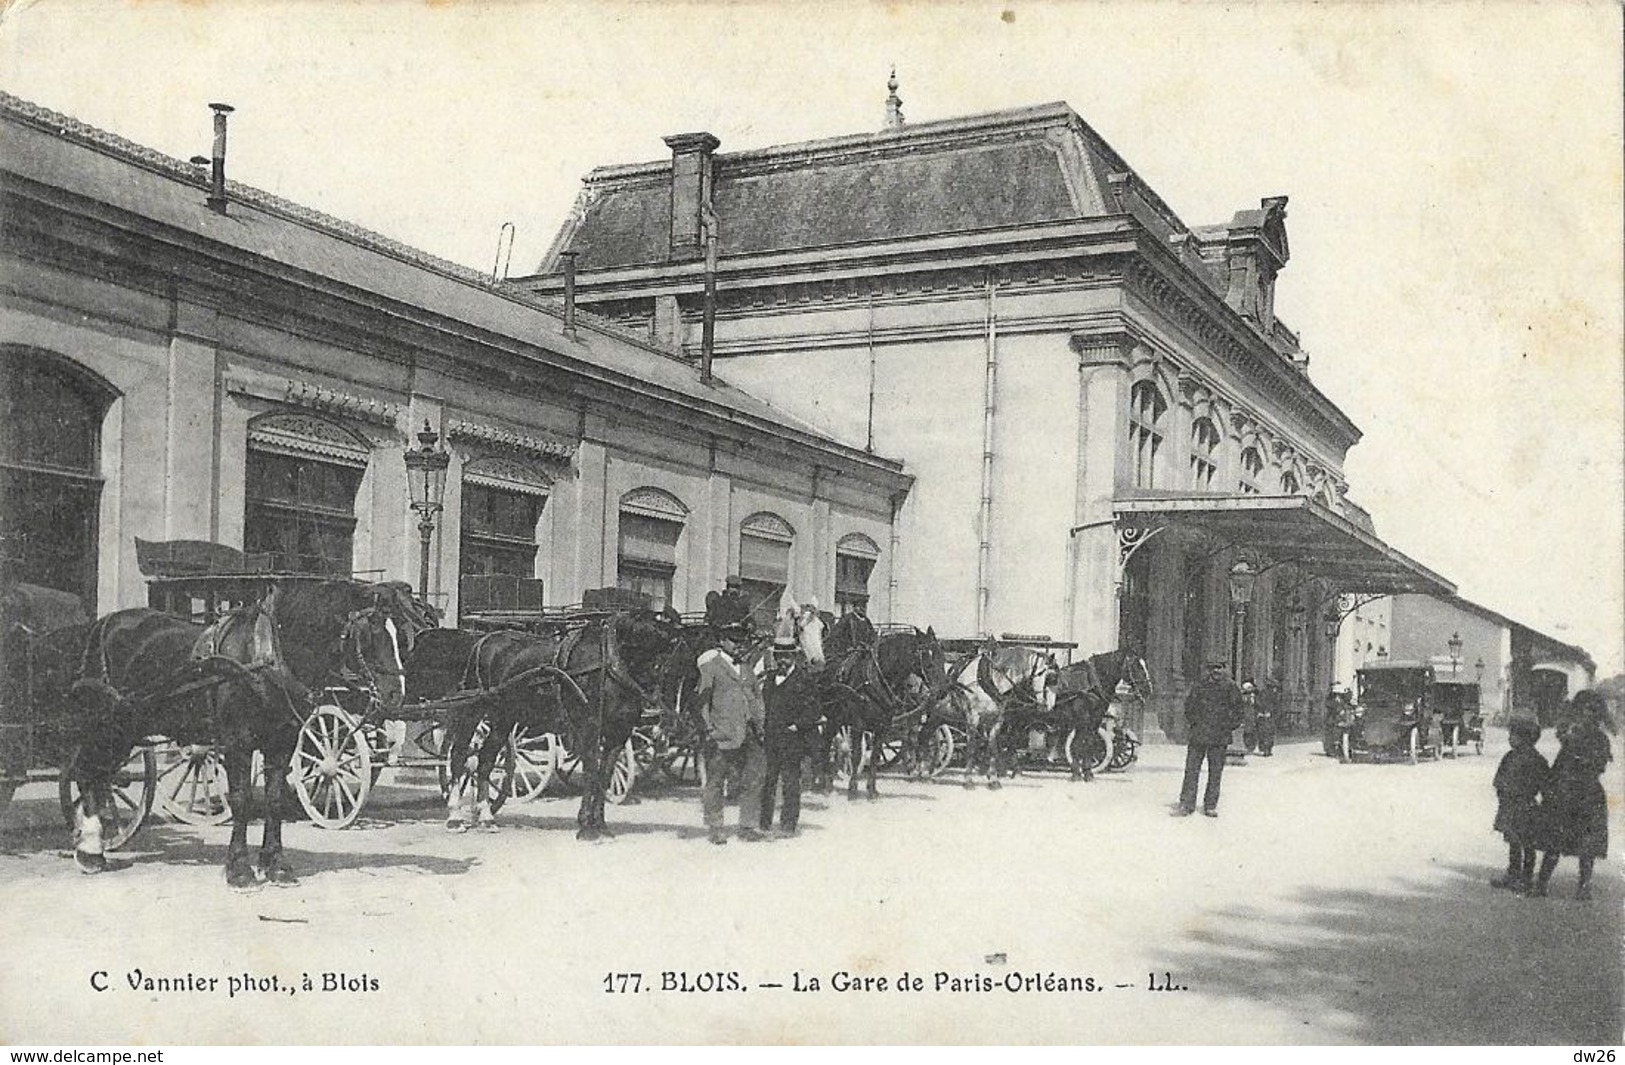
[1392,715]
[1455,704]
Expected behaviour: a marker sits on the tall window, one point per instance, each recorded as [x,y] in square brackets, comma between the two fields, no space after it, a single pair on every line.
[651,526]
[301,512]
[1204,454]
[855,559]
[1146,409]
[1289,483]
[1252,467]
[50,484]
[499,530]
[764,564]
[1134,610]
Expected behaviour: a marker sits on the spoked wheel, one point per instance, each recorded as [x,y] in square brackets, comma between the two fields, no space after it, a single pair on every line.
[624,773]
[192,784]
[682,764]
[1085,750]
[890,753]
[534,761]
[134,786]
[843,755]
[1124,752]
[942,750]
[332,767]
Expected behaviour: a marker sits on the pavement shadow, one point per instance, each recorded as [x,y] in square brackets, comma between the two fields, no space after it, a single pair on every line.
[166,846]
[1441,962]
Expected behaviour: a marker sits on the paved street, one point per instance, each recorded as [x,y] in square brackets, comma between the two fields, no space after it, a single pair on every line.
[1328,904]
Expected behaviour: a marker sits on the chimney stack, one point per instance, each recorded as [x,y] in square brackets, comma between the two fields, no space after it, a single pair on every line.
[690,192]
[894,103]
[217,175]
[568,260]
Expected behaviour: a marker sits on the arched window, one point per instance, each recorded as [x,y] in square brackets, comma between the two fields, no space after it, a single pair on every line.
[299,492]
[764,564]
[651,525]
[1204,454]
[502,500]
[50,471]
[855,557]
[1252,466]
[1289,483]
[1146,410]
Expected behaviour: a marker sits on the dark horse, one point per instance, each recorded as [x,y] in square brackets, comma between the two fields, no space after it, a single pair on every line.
[246,683]
[874,693]
[590,682]
[1083,694]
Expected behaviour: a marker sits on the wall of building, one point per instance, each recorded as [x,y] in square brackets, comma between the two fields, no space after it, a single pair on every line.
[1422,627]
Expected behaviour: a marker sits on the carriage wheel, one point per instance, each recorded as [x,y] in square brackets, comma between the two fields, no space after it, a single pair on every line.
[534,760]
[332,767]
[683,765]
[134,786]
[623,775]
[567,764]
[890,753]
[1085,750]
[942,750]
[843,755]
[192,784]
[1124,753]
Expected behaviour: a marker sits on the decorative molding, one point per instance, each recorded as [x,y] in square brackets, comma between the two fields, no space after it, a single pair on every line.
[332,401]
[858,545]
[510,474]
[489,436]
[768,526]
[654,503]
[307,435]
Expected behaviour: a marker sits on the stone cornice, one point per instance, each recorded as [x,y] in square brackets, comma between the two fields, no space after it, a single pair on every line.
[489,436]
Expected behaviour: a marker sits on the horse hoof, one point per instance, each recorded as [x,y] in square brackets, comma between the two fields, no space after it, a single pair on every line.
[456,828]
[240,875]
[90,864]
[280,874]
[490,827]
[970,785]
[994,785]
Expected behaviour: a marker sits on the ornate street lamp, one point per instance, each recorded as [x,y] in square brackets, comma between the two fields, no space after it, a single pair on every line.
[1242,576]
[1479,666]
[426,477]
[1454,643]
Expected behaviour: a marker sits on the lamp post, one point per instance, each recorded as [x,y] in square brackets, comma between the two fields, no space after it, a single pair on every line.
[1454,643]
[1479,667]
[426,477]
[1242,576]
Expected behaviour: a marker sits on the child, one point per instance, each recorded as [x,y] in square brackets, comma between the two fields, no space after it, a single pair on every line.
[1518,781]
[1574,809]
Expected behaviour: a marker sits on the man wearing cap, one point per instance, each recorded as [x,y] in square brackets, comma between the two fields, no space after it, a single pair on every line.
[1212,713]
[1269,715]
[791,694]
[731,714]
[727,607]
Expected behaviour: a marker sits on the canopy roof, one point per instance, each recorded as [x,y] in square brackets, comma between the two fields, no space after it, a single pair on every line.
[1294,529]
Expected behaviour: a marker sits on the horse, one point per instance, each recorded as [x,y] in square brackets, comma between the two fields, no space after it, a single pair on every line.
[589,682]
[1084,693]
[976,702]
[878,690]
[245,683]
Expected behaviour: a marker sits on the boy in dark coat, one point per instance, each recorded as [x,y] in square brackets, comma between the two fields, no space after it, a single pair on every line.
[1518,780]
[1574,808]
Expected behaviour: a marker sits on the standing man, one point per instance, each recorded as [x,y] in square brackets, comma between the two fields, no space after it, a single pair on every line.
[1249,715]
[731,715]
[792,718]
[1269,716]
[1212,713]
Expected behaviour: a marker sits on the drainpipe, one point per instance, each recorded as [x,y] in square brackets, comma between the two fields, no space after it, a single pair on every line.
[984,550]
[891,570]
[217,175]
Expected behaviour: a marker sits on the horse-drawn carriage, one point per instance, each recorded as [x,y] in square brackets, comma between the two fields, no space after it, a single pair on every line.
[1391,717]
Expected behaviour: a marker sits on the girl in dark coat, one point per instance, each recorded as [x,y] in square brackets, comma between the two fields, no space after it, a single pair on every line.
[1518,781]
[1574,808]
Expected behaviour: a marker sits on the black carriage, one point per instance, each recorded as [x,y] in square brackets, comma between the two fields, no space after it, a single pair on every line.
[1392,714]
[43,635]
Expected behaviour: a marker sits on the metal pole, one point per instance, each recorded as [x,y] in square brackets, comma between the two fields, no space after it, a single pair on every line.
[426,533]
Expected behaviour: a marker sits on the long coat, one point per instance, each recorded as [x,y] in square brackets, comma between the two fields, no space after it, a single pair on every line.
[1518,781]
[792,699]
[1574,808]
[1213,711]
[730,698]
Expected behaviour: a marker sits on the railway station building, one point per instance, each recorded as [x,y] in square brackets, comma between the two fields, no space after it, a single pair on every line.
[189,360]
[1115,437]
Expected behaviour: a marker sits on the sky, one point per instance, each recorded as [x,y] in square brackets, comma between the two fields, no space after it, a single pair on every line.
[1454,174]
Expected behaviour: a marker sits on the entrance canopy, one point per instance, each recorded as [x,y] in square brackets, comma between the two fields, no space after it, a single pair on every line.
[1289,529]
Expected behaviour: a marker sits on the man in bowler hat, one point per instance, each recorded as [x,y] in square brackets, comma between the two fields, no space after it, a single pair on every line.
[1212,713]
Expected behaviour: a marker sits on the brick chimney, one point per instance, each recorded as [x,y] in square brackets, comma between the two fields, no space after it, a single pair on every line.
[690,192]
[1255,251]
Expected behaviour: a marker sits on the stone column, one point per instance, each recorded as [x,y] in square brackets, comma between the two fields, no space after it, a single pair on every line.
[1102,423]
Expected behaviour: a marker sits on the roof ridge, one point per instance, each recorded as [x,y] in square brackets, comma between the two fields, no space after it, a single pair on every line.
[168,166]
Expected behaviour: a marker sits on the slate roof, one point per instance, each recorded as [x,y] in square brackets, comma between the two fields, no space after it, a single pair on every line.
[1029,165]
[60,152]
